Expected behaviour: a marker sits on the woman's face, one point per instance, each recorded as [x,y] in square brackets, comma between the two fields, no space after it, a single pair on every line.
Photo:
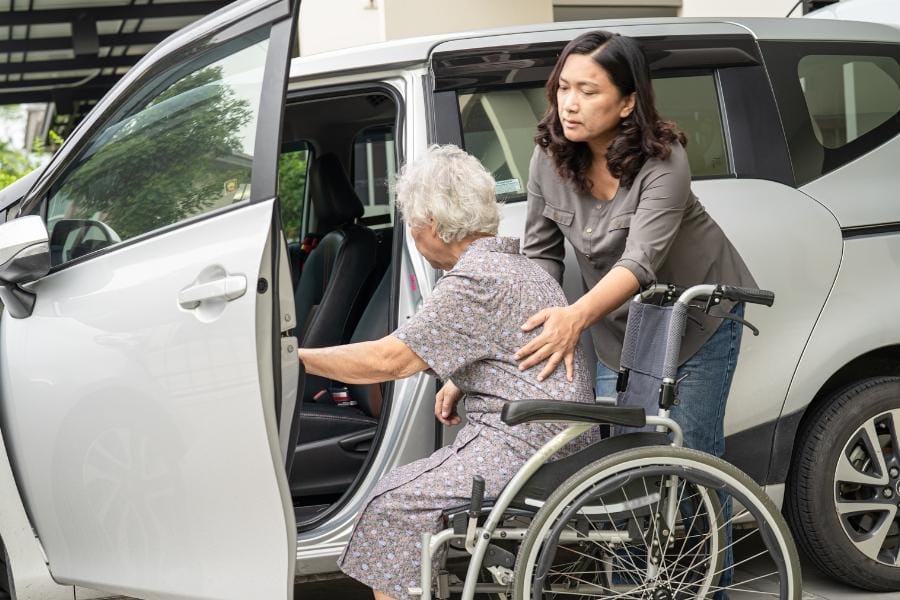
[589,104]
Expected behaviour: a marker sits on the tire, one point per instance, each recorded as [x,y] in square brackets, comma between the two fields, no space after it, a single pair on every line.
[832,468]
[691,466]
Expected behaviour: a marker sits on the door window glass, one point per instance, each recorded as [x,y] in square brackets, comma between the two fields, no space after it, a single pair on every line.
[293,166]
[499,126]
[181,147]
[693,103]
[374,166]
[848,96]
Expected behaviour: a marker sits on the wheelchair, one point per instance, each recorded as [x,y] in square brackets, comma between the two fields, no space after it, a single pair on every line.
[635,515]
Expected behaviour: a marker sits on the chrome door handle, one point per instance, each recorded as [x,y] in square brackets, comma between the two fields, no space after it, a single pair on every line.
[228,288]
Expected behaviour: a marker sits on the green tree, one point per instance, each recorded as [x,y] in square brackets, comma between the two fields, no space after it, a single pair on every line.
[14,164]
[176,157]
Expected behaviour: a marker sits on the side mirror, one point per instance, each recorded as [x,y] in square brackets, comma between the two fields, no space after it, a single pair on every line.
[24,257]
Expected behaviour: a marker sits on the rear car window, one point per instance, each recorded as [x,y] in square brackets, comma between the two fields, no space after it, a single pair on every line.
[498,127]
[838,100]
[848,96]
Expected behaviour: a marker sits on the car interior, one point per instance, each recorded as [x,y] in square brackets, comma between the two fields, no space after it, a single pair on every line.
[338,156]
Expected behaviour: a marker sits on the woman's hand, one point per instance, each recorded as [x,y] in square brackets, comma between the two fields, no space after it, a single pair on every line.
[445,404]
[555,344]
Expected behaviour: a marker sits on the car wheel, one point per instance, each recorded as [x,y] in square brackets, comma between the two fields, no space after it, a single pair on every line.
[843,496]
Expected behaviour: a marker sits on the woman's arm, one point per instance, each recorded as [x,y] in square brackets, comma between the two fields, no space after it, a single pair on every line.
[654,227]
[563,325]
[366,362]
[543,243]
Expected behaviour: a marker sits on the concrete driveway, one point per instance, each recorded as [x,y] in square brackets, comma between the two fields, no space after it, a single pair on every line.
[816,587]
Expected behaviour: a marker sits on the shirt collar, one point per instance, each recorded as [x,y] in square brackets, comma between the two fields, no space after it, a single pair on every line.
[507,245]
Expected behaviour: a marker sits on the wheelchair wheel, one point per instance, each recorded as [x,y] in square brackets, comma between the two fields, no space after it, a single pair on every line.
[658,523]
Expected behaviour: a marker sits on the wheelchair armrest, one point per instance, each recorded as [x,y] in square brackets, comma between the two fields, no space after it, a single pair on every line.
[554,411]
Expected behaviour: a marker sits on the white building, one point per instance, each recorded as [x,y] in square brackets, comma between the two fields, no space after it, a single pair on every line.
[332,24]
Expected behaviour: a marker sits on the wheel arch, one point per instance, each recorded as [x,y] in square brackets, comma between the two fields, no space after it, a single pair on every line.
[880,362]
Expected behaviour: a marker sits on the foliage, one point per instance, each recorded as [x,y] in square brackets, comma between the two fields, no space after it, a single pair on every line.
[176,157]
[14,164]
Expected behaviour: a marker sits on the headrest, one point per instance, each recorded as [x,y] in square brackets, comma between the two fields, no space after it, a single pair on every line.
[334,199]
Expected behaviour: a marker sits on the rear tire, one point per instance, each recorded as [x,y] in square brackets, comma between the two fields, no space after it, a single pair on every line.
[837,464]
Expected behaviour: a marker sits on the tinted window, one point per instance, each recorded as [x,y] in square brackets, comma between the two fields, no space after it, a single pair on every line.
[848,96]
[837,100]
[181,147]
[292,170]
[374,165]
[499,126]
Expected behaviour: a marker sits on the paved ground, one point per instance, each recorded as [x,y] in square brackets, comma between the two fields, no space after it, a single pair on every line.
[816,587]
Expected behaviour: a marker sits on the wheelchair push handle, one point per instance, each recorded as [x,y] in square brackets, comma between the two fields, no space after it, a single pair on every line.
[750,295]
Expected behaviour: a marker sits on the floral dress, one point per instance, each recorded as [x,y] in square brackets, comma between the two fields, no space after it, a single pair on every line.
[467,331]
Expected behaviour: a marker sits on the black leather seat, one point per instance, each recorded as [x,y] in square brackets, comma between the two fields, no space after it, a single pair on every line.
[335,440]
[338,268]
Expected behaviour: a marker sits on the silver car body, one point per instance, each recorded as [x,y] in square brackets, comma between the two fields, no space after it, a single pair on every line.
[817,246]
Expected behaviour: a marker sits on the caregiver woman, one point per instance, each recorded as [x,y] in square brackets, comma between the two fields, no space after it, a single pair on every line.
[613,179]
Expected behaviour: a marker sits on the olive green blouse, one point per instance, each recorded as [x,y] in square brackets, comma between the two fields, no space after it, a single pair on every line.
[657,229]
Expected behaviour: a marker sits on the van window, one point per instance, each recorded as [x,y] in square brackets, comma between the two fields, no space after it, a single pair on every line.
[374,166]
[838,100]
[848,96]
[292,170]
[498,127]
[181,147]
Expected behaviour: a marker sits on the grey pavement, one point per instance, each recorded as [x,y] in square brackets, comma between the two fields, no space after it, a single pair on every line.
[816,586]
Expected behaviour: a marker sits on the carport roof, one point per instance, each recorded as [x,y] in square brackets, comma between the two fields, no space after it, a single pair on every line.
[71,52]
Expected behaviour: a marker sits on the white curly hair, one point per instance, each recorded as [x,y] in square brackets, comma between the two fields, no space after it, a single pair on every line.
[453,188]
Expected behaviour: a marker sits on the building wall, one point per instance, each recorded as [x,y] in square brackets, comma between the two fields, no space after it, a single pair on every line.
[408,18]
[333,24]
[739,8]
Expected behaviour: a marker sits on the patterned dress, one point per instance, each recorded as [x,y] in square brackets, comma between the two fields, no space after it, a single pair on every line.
[467,332]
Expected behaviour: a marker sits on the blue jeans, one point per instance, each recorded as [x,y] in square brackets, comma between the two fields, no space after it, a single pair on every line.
[702,396]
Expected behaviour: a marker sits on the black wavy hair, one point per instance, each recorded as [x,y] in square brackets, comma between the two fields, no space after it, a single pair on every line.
[642,134]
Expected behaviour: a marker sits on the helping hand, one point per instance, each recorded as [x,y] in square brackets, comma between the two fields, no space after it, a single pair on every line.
[445,404]
[555,344]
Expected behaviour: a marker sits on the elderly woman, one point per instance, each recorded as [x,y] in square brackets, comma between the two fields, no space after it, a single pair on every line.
[466,333]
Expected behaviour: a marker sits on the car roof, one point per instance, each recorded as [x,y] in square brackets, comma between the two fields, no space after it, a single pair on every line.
[417,50]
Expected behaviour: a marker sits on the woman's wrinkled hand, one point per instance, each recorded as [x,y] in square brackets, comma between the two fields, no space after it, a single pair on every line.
[555,344]
[445,404]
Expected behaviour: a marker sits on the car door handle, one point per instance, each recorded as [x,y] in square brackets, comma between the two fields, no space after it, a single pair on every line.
[227,288]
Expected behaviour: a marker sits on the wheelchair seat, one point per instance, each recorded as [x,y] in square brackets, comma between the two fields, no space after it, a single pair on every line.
[551,475]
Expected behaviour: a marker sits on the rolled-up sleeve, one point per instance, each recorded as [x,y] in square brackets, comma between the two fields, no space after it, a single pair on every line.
[544,242]
[450,331]
[654,226]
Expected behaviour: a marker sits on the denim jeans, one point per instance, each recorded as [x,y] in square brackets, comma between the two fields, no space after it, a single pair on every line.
[705,380]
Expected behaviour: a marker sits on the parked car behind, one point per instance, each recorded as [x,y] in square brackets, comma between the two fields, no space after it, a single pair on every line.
[217,208]
[872,11]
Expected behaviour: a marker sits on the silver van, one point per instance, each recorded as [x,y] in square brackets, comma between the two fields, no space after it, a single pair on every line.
[223,204]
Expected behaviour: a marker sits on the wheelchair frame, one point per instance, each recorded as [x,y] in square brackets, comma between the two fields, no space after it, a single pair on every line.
[477,539]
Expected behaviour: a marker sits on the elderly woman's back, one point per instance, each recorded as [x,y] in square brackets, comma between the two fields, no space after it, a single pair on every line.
[470,328]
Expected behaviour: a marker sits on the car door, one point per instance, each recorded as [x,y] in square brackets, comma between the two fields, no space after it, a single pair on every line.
[140,397]
[709,78]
